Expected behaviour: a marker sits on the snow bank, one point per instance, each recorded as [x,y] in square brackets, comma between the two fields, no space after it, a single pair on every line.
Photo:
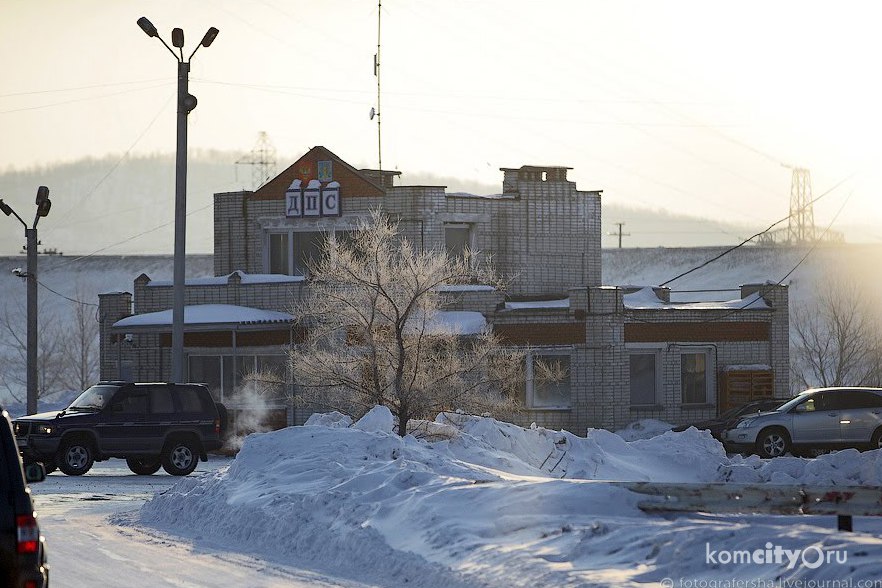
[494,504]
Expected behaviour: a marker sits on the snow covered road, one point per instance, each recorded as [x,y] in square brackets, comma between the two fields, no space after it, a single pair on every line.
[86,549]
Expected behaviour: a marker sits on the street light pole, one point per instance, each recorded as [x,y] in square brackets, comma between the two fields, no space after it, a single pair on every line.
[186,103]
[180,226]
[43,206]
[31,235]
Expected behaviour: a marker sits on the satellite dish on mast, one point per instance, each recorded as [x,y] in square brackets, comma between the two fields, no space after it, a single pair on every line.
[373,113]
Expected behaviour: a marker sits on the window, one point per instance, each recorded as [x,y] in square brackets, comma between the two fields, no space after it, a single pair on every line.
[457,238]
[548,381]
[189,399]
[644,378]
[852,399]
[224,377]
[291,252]
[133,402]
[206,369]
[161,400]
[279,253]
[694,378]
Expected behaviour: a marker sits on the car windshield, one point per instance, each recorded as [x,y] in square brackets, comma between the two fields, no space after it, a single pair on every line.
[95,398]
[794,401]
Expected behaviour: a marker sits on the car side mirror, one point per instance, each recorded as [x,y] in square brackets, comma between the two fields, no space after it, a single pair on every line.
[35,472]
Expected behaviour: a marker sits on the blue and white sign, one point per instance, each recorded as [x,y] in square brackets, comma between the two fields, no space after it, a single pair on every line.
[314,201]
[331,200]
[294,200]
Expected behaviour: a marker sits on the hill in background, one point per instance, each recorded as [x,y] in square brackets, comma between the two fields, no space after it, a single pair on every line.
[125,206]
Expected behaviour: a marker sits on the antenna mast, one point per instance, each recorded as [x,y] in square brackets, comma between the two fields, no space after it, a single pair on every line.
[377,73]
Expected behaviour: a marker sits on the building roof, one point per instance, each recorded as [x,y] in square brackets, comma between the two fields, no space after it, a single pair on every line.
[205,317]
[646,299]
[353,183]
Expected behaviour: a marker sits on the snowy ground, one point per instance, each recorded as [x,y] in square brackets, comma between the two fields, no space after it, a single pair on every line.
[485,503]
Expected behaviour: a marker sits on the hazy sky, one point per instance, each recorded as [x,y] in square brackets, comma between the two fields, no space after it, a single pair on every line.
[693,107]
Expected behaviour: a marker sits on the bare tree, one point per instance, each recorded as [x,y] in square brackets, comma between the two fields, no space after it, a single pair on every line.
[374,333]
[80,353]
[835,341]
[15,350]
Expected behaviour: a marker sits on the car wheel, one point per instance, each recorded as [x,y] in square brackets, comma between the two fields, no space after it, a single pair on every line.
[181,457]
[143,467]
[75,457]
[876,441]
[50,466]
[772,443]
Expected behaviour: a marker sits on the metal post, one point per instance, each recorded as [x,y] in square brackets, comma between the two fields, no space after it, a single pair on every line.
[180,226]
[844,523]
[31,236]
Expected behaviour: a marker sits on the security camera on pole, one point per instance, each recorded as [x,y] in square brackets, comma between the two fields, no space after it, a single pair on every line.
[43,206]
[186,103]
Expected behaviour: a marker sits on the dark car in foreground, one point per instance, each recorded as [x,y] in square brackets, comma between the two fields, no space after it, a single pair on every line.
[729,418]
[22,547]
[150,425]
[817,419]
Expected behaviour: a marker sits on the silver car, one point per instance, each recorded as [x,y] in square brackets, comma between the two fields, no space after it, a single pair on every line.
[820,418]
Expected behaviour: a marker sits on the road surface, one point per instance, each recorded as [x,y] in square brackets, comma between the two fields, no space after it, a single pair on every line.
[93,538]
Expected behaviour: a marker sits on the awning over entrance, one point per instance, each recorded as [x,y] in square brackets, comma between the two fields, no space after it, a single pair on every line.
[205,317]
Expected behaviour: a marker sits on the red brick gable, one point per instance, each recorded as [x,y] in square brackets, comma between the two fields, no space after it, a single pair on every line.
[353,184]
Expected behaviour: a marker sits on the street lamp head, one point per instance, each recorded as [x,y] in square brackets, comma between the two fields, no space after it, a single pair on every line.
[43,202]
[177,38]
[147,27]
[5,208]
[209,37]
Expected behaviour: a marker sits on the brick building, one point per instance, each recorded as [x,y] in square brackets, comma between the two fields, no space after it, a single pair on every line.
[628,352]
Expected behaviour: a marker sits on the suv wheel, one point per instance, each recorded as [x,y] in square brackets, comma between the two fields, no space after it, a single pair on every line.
[50,466]
[772,443]
[181,457]
[143,467]
[876,441]
[75,457]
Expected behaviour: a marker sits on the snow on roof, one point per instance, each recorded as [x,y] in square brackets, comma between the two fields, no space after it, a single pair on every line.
[224,280]
[205,314]
[466,288]
[645,299]
[485,196]
[457,322]
[747,367]
[563,303]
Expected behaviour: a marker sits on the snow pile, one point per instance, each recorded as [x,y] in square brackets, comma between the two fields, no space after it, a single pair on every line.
[494,504]
[644,429]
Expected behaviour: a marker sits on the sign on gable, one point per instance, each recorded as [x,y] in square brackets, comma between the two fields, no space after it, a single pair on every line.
[314,201]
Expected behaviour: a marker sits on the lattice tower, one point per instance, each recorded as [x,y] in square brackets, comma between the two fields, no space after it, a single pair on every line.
[801,227]
[262,160]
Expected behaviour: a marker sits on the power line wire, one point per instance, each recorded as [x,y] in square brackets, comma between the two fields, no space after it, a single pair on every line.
[66,297]
[744,242]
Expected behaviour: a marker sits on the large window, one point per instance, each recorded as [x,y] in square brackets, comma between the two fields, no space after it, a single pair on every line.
[458,238]
[644,377]
[548,381]
[279,253]
[694,377]
[292,252]
[225,375]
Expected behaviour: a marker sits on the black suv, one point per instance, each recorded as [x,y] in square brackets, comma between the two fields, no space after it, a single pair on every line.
[22,549]
[147,424]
